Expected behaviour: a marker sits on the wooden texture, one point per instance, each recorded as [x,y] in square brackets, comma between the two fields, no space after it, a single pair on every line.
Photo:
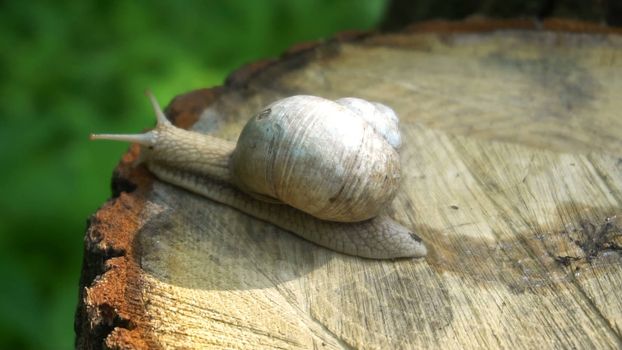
[512,175]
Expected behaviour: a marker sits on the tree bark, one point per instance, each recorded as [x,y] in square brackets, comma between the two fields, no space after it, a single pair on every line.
[403,12]
[512,175]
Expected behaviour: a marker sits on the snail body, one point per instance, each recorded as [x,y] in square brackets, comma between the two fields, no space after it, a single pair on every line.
[335,162]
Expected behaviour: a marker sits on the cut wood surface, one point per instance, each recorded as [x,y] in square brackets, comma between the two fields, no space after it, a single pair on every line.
[512,175]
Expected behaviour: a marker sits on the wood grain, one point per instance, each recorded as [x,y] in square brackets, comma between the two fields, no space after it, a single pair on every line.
[512,158]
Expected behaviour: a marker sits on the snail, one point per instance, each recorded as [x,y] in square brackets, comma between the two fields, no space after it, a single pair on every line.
[322,169]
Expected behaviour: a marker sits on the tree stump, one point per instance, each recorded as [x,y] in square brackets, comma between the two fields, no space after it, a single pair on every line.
[512,175]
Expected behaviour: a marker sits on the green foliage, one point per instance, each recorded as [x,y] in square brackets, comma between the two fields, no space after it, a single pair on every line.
[69,68]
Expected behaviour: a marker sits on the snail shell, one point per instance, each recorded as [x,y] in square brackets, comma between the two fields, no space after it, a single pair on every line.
[319,156]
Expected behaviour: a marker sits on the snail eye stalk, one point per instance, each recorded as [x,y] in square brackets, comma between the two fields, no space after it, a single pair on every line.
[146,139]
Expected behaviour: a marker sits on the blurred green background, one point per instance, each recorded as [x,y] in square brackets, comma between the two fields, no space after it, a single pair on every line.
[69,68]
